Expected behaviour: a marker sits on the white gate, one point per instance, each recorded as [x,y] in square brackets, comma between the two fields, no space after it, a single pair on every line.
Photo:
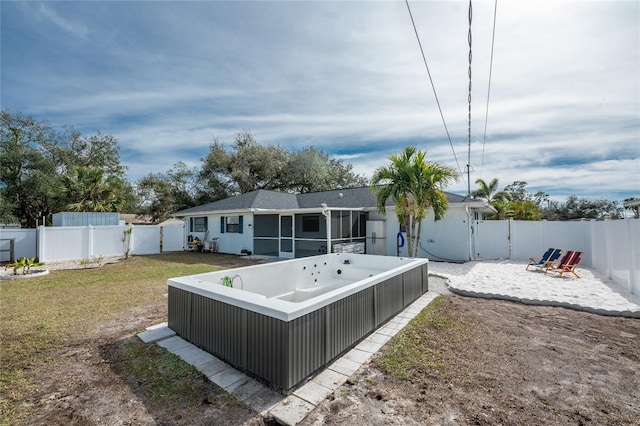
[172,237]
[491,239]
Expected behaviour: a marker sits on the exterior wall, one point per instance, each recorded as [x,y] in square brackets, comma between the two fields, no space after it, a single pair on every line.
[446,239]
[285,353]
[229,242]
[24,243]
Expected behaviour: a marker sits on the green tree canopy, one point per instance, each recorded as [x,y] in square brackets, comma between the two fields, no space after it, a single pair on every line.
[161,194]
[248,166]
[36,159]
[416,186]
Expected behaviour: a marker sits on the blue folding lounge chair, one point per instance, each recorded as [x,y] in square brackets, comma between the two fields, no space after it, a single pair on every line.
[548,257]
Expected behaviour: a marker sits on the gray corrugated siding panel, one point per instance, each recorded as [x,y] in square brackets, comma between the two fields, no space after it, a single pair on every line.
[412,287]
[179,315]
[267,342]
[348,321]
[425,278]
[306,344]
[389,299]
[220,329]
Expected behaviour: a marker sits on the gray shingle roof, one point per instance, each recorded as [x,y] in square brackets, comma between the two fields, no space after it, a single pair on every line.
[361,197]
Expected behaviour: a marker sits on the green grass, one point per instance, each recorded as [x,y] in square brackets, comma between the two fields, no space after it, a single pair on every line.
[416,349]
[41,316]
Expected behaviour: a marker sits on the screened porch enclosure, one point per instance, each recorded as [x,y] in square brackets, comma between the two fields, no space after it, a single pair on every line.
[306,234]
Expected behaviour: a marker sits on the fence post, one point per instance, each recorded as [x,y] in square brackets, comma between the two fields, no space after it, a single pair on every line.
[633,254]
[40,242]
[90,242]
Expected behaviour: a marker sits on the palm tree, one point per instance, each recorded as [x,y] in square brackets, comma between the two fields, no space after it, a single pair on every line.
[485,191]
[415,185]
[83,189]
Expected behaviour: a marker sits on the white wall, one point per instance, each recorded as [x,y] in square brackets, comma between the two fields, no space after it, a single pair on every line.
[24,243]
[446,239]
[229,242]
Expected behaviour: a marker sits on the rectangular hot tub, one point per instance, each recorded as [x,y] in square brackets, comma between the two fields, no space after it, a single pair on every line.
[283,321]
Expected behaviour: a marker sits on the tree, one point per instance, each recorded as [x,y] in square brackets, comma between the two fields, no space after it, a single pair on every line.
[249,166]
[581,208]
[34,159]
[485,190]
[84,189]
[312,170]
[160,194]
[633,209]
[416,187]
[27,176]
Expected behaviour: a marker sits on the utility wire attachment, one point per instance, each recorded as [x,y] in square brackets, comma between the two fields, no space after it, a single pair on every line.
[486,116]
[432,85]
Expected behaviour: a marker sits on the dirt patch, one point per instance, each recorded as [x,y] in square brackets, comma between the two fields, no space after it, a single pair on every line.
[88,386]
[509,364]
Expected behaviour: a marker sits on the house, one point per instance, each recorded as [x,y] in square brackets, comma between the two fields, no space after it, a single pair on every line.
[289,225]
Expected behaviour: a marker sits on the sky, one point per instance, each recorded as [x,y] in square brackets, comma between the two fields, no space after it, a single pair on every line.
[347,77]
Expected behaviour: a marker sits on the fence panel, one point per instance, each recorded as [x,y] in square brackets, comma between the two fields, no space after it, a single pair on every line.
[24,243]
[145,239]
[532,239]
[107,241]
[63,243]
[173,238]
[600,247]
[623,266]
[527,240]
[492,239]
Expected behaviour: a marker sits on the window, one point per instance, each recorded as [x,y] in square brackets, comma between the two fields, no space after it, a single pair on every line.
[310,223]
[198,224]
[231,224]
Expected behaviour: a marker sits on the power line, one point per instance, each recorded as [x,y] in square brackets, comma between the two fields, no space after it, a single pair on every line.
[486,117]
[469,99]
[432,85]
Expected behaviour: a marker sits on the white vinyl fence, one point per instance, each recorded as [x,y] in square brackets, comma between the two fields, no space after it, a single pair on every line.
[24,243]
[57,243]
[612,247]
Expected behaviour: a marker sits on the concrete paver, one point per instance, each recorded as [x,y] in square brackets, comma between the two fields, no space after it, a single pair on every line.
[172,344]
[194,356]
[344,366]
[313,392]
[227,377]
[213,367]
[330,379]
[291,411]
[156,333]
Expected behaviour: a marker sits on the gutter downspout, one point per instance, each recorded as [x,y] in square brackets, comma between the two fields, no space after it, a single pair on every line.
[327,215]
[469,233]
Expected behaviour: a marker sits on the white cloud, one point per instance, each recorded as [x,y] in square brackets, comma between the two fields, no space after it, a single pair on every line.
[347,77]
[75,28]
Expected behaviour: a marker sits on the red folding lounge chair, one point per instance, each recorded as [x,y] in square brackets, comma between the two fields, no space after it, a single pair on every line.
[568,264]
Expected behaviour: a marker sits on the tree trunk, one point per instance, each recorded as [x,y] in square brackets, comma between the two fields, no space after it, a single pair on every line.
[418,239]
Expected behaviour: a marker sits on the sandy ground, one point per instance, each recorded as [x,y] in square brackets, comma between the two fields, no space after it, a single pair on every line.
[510,280]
